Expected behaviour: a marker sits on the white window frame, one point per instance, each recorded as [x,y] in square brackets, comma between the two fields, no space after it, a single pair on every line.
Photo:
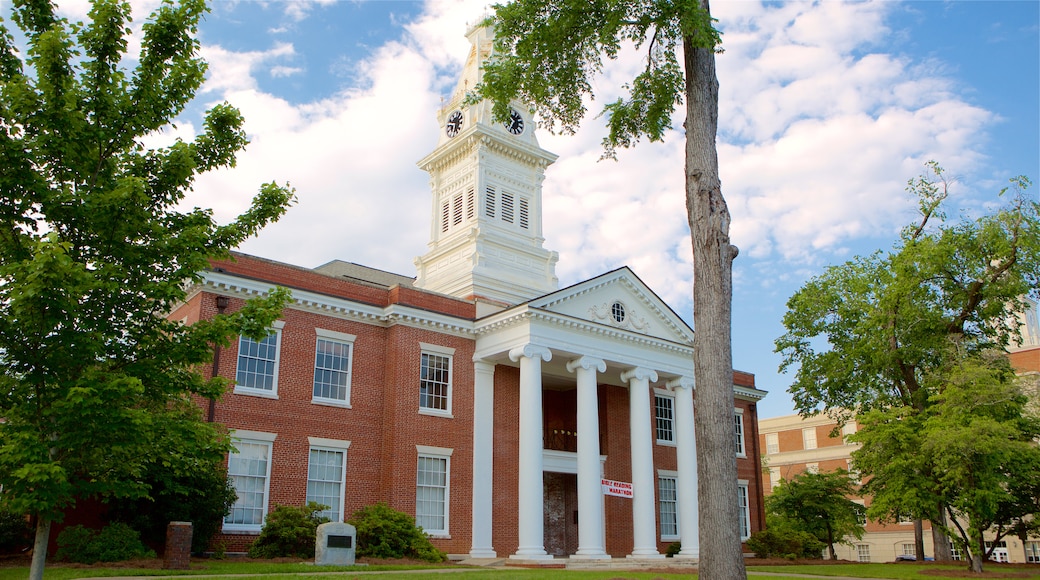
[658,419]
[812,467]
[772,443]
[774,478]
[744,503]
[438,453]
[1032,551]
[847,429]
[340,338]
[738,432]
[335,512]
[863,552]
[262,439]
[445,352]
[276,330]
[673,476]
[809,438]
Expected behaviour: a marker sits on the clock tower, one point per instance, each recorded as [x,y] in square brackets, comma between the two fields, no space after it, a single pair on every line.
[486,180]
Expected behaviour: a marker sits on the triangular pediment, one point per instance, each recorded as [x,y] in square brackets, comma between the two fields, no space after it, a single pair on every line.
[621,300]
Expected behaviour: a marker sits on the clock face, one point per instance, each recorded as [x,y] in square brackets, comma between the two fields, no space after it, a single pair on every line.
[454,124]
[515,124]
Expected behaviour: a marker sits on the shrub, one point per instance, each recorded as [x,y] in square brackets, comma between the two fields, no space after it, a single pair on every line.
[113,543]
[383,532]
[789,544]
[289,531]
[673,549]
[15,533]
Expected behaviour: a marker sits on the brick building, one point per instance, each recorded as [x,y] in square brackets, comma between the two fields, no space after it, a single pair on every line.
[477,396]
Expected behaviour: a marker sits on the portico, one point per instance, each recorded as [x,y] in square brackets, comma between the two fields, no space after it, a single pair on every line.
[608,332]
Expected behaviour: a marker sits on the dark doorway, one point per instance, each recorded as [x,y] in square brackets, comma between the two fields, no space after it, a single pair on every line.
[561,513]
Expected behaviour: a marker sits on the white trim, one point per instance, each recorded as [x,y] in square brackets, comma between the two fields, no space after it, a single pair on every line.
[565,461]
[428,450]
[671,397]
[738,412]
[243,434]
[742,484]
[437,349]
[338,444]
[437,453]
[341,338]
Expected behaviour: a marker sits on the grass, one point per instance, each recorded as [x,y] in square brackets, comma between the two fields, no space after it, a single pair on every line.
[285,570]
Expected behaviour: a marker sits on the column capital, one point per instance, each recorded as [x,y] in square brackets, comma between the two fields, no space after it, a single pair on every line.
[530,351]
[587,363]
[639,373]
[681,383]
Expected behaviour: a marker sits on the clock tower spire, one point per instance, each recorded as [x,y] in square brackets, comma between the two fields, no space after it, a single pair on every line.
[486,180]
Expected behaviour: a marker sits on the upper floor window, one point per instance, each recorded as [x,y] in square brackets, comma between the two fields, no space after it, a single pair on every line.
[257,372]
[435,379]
[772,443]
[664,418]
[738,428]
[809,438]
[332,367]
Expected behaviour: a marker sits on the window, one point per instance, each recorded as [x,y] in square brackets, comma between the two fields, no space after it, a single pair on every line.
[774,477]
[489,202]
[326,473]
[332,360]
[848,429]
[772,443]
[955,553]
[861,515]
[525,212]
[809,438]
[668,504]
[738,428]
[1032,552]
[908,549]
[863,552]
[507,207]
[853,472]
[249,468]
[435,380]
[445,216]
[431,490]
[904,519]
[745,510]
[664,413]
[812,467]
[257,372]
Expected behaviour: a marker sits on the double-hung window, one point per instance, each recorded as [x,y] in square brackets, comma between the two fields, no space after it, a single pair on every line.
[249,468]
[257,372]
[772,443]
[738,431]
[326,474]
[745,509]
[435,380]
[809,438]
[664,418]
[432,486]
[668,504]
[333,354]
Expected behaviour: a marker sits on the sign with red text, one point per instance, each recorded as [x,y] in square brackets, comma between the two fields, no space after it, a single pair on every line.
[616,488]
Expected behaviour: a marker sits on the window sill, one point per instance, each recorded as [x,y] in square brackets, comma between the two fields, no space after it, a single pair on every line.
[436,536]
[663,443]
[669,538]
[331,403]
[741,455]
[240,390]
[436,413]
[238,531]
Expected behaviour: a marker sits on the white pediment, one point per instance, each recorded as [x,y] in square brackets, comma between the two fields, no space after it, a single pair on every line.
[621,300]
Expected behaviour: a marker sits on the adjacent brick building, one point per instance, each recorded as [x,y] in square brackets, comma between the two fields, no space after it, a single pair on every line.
[478,396]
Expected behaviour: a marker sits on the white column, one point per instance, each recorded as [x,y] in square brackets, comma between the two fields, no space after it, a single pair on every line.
[686,462]
[644,508]
[590,490]
[531,526]
[483,458]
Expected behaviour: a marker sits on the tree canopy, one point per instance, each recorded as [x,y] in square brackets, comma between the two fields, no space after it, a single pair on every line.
[546,54]
[96,385]
[864,334]
[819,503]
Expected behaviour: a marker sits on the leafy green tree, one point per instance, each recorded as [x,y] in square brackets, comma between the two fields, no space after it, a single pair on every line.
[546,53]
[971,452]
[819,503]
[94,380]
[865,334]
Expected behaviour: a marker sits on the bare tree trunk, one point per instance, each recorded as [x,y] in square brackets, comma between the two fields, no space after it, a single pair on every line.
[721,554]
[919,539]
[940,541]
[39,557]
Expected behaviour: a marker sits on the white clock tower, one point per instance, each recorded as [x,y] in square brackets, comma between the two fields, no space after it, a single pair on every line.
[486,179]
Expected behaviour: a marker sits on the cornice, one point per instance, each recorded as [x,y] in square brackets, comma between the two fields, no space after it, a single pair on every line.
[749,393]
[394,314]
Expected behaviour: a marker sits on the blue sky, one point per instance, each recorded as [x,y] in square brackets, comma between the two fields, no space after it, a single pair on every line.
[827,109]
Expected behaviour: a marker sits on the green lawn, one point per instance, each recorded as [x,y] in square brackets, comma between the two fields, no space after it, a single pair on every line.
[276,571]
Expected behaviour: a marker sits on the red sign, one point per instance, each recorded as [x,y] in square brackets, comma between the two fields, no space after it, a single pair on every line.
[617,488]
